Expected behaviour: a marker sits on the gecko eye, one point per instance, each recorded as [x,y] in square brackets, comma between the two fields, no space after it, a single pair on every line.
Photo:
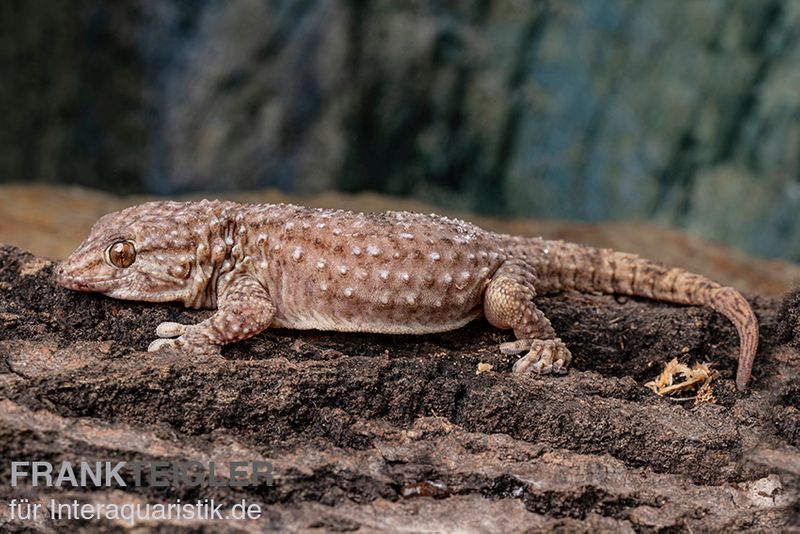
[122,254]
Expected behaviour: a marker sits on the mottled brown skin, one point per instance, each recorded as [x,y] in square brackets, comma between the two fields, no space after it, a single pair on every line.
[395,272]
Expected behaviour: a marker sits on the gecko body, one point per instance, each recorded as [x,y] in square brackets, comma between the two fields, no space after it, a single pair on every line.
[262,265]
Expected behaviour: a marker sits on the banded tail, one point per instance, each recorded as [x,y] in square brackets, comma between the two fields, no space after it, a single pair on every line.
[568,266]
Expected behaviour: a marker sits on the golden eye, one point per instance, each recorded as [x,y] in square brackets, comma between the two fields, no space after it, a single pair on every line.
[122,254]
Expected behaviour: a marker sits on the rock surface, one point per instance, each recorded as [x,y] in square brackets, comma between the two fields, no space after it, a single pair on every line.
[682,111]
[401,432]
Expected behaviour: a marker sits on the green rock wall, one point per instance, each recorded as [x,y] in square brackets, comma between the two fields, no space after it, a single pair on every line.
[682,111]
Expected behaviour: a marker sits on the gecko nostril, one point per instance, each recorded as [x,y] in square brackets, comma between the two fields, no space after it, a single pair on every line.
[61,274]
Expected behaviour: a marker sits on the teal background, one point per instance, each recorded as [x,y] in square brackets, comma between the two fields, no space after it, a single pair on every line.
[684,112]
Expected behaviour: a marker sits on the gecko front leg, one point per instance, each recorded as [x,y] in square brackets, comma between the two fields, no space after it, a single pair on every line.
[244,310]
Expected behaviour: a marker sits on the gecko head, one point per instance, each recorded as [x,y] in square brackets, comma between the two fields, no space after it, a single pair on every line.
[145,252]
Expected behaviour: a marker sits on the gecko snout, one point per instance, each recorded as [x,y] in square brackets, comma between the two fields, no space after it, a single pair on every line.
[67,280]
[61,276]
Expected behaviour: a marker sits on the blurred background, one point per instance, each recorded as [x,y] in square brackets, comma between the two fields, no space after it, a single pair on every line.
[685,113]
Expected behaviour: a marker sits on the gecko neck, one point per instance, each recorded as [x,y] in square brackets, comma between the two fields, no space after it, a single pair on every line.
[218,254]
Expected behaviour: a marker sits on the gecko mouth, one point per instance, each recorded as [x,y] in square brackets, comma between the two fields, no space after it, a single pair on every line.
[78,283]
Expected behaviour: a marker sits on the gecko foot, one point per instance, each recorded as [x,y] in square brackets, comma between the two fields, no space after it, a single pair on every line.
[545,356]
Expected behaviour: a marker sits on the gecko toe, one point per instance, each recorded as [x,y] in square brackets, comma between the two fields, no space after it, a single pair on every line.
[169,329]
[159,344]
[515,347]
[548,356]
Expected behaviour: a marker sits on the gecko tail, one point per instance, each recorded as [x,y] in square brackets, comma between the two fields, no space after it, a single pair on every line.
[569,266]
[731,304]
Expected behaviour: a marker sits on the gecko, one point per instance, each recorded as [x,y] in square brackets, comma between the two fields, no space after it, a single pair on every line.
[288,266]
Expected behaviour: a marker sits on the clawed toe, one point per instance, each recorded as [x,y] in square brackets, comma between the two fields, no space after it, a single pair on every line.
[516,347]
[170,329]
[548,356]
[159,344]
[165,331]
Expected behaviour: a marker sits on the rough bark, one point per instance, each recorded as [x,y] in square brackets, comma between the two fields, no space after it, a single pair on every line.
[399,432]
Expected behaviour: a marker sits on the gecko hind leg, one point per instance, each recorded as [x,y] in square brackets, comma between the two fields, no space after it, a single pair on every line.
[508,303]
